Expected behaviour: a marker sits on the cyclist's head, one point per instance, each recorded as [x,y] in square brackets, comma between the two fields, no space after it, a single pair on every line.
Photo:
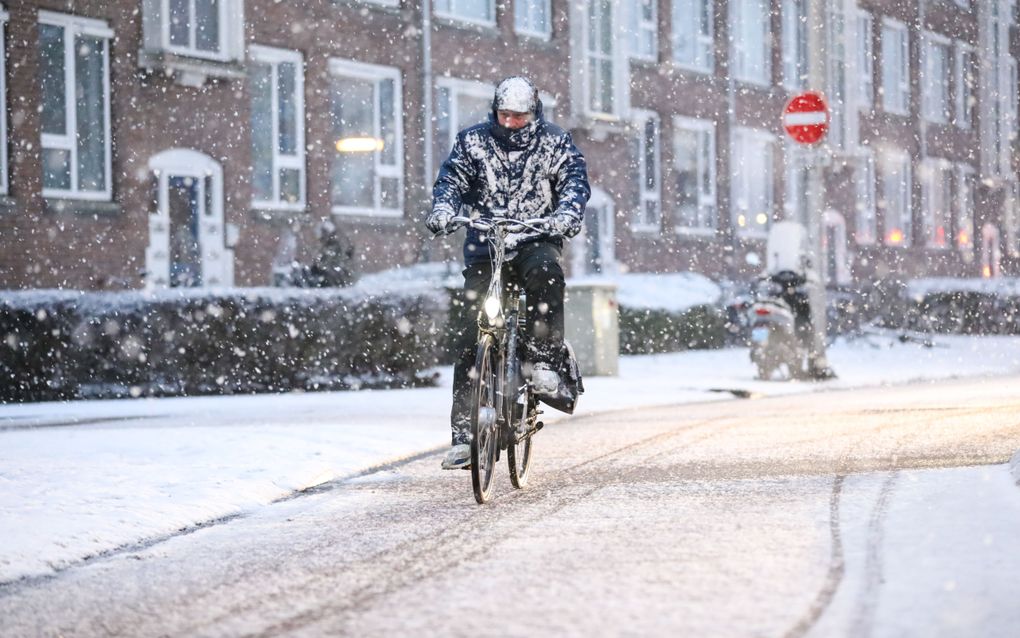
[515,102]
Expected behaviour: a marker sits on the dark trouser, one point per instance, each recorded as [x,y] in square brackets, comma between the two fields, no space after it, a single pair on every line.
[537,268]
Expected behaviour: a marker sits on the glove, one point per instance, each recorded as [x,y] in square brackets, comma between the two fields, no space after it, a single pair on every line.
[438,221]
[564,225]
[513,240]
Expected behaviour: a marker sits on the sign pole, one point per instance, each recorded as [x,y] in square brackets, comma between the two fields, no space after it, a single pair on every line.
[818,364]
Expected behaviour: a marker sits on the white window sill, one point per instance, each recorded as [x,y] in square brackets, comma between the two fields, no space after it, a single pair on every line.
[370,213]
[190,71]
[683,66]
[68,205]
[699,233]
[646,229]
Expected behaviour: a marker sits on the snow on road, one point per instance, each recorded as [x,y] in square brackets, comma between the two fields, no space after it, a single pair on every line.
[81,478]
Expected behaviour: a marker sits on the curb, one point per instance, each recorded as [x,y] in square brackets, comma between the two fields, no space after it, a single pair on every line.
[1014,467]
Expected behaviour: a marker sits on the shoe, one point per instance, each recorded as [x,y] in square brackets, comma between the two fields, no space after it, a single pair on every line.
[544,380]
[458,457]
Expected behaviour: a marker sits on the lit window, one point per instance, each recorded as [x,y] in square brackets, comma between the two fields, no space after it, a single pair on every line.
[966,184]
[936,199]
[74,74]
[753,170]
[896,179]
[367,174]
[276,77]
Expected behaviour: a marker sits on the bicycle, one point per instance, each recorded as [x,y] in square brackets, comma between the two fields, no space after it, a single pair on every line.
[504,414]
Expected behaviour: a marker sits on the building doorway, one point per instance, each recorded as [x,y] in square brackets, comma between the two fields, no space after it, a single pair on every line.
[187,243]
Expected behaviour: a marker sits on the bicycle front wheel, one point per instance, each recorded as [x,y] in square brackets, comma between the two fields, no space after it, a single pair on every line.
[484,421]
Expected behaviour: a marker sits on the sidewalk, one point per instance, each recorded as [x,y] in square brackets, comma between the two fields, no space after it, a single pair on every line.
[82,478]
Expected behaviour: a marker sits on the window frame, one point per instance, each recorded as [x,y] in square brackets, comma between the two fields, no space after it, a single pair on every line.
[966,92]
[866,210]
[930,111]
[192,51]
[936,172]
[451,13]
[343,68]
[274,56]
[963,172]
[902,83]
[741,180]
[645,195]
[794,49]
[544,34]
[77,25]
[865,60]
[642,26]
[905,196]
[738,44]
[705,130]
[703,43]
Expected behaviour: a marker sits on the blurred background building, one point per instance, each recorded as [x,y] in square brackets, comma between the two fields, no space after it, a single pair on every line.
[156,143]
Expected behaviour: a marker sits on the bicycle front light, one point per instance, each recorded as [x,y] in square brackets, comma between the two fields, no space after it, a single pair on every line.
[492,308]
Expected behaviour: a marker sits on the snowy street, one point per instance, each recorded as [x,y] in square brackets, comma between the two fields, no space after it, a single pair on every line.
[882,512]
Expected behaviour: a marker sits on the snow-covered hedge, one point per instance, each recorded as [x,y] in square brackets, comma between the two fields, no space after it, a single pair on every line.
[62,344]
[668,312]
[968,306]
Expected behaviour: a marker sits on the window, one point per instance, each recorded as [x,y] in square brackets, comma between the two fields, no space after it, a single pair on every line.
[694,34]
[966,85]
[644,30]
[277,128]
[4,186]
[206,29]
[795,61]
[531,17]
[649,215]
[753,170]
[750,41]
[478,11]
[866,229]
[966,185]
[865,61]
[935,81]
[459,104]
[895,167]
[601,72]
[895,67]
[796,184]
[694,175]
[74,59]
[936,199]
[367,175]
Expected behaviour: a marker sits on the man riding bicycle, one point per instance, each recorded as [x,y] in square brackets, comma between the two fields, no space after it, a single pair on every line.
[520,166]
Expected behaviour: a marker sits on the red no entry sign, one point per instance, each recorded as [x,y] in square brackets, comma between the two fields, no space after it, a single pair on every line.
[806,118]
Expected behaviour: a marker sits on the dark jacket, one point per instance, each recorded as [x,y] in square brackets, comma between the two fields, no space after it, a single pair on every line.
[531,172]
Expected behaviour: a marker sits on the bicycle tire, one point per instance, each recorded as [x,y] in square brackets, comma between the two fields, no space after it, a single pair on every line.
[518,453]
[484,432]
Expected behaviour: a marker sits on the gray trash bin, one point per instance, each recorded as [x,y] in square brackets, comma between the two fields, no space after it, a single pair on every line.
[592,327]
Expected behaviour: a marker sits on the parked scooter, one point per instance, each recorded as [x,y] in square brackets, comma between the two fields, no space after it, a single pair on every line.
[776,345]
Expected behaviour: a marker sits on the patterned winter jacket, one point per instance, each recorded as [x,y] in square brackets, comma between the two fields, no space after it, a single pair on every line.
[532,172]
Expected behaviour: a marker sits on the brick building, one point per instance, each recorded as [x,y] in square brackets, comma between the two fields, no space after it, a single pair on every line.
[205,141]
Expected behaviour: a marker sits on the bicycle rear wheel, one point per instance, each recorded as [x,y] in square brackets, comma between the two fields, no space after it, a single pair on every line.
[484,418]
[518,452]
